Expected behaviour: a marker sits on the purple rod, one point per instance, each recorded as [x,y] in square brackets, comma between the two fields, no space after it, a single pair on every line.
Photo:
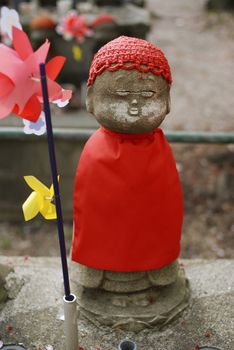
[50,140]
[74,2]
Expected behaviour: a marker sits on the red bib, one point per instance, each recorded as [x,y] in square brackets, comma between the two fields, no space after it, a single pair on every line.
[127,203]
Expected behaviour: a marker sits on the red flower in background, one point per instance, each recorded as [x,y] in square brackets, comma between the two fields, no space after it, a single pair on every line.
[74,26]
[20,87]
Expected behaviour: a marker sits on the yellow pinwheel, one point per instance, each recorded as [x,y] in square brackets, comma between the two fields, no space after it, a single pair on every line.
[39,201]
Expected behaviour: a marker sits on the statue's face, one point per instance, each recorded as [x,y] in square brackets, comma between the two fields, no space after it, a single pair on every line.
[129,101]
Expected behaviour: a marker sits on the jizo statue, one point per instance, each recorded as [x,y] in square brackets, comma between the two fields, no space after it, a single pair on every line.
[128,201]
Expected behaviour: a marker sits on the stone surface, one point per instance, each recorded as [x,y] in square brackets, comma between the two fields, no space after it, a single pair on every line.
[164,276]
[4,272]
[34,316]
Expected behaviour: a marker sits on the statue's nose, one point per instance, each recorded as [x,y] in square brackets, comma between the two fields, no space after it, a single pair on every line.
[134,102]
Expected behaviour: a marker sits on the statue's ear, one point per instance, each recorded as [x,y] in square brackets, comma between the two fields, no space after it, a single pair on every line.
[89,99]
[168,103]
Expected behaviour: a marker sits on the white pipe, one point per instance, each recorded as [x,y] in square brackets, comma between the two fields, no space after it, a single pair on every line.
[70,324]
[127,345]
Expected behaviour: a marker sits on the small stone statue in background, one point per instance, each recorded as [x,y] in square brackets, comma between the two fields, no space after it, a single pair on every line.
[127,201]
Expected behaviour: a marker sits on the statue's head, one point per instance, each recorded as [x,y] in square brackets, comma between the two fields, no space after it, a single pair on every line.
[129,86]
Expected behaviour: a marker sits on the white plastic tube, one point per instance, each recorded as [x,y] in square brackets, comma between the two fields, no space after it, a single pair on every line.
[127,345]
[70,324]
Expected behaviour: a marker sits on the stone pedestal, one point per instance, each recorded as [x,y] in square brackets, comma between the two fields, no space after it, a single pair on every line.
[135,311]
[131,301]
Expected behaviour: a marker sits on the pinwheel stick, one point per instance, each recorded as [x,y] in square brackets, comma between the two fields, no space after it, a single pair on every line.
[53,165]
[70,306]
[74,3]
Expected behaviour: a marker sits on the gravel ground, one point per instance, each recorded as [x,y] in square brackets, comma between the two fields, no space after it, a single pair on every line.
[200,50]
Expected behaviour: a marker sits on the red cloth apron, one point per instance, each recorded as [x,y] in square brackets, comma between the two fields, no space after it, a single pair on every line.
[127,203]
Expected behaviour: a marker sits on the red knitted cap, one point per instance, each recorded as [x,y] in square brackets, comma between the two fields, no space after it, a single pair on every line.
[130,53]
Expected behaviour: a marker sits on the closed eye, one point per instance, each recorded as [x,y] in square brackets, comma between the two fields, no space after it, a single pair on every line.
[122,92]
[147,93]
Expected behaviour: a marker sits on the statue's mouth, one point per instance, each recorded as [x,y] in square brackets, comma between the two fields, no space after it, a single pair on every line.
[133,111]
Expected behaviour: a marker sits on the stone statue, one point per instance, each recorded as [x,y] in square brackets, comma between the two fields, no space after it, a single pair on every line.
[127,200]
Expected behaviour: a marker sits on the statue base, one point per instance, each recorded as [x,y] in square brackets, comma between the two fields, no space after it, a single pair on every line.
[153,307]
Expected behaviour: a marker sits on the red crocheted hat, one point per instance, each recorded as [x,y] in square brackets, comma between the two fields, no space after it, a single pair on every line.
[130,53]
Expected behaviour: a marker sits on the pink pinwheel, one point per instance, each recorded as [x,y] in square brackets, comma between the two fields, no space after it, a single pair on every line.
[20,88]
